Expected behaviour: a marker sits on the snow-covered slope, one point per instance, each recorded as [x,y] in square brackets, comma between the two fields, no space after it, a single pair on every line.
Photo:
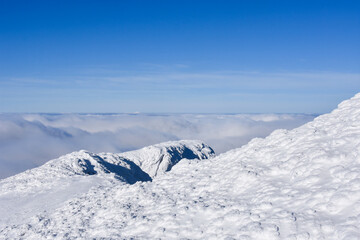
[58,180]
[298,184]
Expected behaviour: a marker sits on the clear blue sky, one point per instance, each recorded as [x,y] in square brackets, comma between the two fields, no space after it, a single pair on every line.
[178,56]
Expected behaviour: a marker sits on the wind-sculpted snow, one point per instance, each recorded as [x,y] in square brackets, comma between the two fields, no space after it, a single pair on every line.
[298,184]
[160,158]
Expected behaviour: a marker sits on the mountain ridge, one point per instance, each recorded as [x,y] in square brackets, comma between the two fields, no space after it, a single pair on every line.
[125,166]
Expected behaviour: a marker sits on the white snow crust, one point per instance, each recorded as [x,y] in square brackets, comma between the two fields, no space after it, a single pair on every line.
[298,184]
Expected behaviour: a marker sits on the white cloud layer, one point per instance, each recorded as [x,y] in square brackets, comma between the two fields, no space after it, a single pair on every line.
[29,140]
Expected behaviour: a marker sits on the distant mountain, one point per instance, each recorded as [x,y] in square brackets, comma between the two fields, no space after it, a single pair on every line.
[298,184]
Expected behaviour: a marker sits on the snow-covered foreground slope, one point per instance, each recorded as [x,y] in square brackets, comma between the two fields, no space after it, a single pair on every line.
[298,184]
[48,186]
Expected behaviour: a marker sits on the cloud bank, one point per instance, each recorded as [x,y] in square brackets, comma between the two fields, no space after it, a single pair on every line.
[29,140]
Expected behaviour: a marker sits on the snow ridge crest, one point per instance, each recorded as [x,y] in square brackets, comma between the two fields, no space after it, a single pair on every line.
[129,167]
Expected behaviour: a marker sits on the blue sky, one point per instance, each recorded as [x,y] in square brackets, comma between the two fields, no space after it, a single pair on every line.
[178,56]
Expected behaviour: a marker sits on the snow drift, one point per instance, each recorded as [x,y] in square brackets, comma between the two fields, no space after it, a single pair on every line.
[298,184]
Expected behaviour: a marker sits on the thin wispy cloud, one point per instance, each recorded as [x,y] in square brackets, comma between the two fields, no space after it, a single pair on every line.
[206,80]
[146,90]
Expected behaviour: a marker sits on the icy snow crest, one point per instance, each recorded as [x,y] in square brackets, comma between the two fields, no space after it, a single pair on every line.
[298,184]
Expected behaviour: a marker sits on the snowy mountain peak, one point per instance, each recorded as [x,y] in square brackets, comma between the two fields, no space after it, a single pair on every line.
[160,158]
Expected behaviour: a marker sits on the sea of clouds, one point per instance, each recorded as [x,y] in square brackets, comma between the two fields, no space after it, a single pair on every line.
[29,140]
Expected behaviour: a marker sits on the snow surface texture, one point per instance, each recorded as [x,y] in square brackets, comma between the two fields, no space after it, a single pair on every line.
[298,184]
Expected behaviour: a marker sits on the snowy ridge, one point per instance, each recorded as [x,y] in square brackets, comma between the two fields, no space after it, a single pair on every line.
[153,160]
[298,184]
[160,158]
[80,163]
